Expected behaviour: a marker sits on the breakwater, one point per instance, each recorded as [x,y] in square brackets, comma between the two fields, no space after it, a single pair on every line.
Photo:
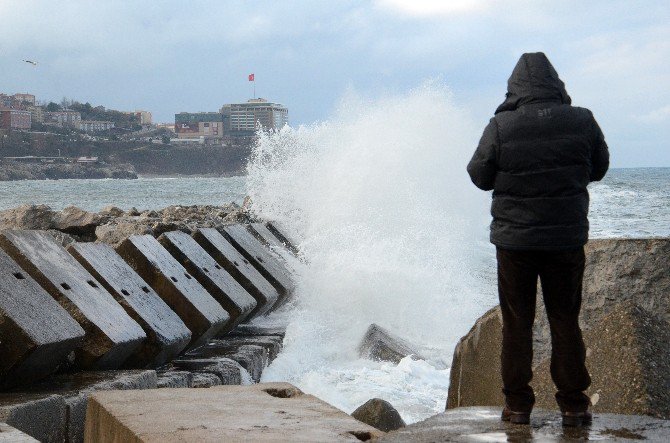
[167,308]
[14,170]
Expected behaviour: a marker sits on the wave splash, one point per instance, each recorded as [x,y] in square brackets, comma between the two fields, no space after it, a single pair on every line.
[393,233]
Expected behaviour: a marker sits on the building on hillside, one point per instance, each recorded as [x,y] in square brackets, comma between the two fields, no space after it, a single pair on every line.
[14,119]
[244,117]
[25,99]
[64,119]
[144,117]
[36,113]
[95,125]
[6,101]
[199,124]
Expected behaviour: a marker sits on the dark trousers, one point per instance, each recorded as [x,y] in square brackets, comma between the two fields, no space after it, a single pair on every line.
[561,275]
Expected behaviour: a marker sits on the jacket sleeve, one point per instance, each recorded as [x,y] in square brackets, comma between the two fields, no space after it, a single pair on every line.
[483,166]
[600,156]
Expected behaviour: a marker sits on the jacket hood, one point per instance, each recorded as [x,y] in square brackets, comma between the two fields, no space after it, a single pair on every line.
[534,79]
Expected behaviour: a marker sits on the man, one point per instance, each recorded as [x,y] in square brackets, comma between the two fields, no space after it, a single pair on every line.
[538,154]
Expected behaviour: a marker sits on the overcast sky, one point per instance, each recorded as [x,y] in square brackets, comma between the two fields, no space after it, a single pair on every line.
[173,56]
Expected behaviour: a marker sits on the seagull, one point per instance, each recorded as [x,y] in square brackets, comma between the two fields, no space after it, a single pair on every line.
[31,62]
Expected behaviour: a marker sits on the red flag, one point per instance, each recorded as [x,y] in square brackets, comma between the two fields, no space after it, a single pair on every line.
[251,77]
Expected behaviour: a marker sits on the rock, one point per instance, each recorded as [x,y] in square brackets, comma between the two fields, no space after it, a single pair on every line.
[42,416]
[174,379]
[111,335]
[27,217]
[629,361]
[379,414]
[73,220]
[271,266]
[216,280]
[36,334]
[483,424]
[475,369]
[261,412]
[379,344]
[239,267]
[111,211]
[167,335]
[62,238]
[205,380]
[115,233]
[133,212]
[201,313]
[12,435]
[149,214]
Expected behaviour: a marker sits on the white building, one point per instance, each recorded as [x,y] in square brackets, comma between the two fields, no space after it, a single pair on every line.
[95,125]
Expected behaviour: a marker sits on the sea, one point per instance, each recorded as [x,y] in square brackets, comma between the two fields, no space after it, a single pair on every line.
[391,231]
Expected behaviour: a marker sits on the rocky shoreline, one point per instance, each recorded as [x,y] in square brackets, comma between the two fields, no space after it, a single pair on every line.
[13,171]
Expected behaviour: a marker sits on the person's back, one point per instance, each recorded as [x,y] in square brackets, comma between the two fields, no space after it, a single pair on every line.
[538,155]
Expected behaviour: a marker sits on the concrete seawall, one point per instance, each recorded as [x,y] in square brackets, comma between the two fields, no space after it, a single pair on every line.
[87,318]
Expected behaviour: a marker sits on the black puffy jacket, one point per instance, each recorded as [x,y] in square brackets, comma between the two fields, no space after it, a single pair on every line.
[538,154]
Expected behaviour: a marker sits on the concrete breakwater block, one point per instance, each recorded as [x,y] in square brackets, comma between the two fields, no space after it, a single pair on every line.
[111,335]
[167,335]
[255,330]
[239,267]
[13,435]
[43,417]
[264,412]
[203,315]
[36,333]
[285,235]
[379,344]
[216,280]
[74,389]
[228,371]
[265,236]
[174,379]
[483,424]
[272,343]
[270,265]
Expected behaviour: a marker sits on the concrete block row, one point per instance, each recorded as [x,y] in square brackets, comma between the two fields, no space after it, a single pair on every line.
[138,306]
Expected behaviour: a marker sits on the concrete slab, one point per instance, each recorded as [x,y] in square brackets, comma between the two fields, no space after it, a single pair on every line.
[218,282]
[167,335]
[43,417]
[229,371]
[276,412]
[205,380]
[111,335]
[272,343]
[255,330]
[285,235]
[13,435]
[201,313]
[483,424]
[265,236]
[270,265]
[239,267]
[76,388]
[36,333]
[174,379]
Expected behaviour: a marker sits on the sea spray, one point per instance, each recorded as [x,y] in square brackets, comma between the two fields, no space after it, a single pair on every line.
[392,231]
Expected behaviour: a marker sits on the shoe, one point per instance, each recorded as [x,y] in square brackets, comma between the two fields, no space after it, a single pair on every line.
[518,418]
[576,419]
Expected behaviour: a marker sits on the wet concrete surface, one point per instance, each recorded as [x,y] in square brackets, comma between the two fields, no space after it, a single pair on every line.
[167,335]
[218,282]
[284,234]
[239,267]
[262,233]
[483,424]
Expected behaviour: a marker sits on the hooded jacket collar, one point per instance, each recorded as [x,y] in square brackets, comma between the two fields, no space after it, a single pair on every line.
[534,79]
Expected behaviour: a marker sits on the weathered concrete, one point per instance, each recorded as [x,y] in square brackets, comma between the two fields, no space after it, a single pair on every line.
[380,414]
[229,371]
[43,417]
[254,330]
[252,358]
[36,333]
[216,280]
[483,424]
[76,388]
[203,315]
[205,380]
[265,412]
[13,435]
[239,267]
[111,335]
[270,265]
[475,369]
[628,356]
[263,234]
[272,343]
[174,379]
[167,335]
[284,235]
[379,344]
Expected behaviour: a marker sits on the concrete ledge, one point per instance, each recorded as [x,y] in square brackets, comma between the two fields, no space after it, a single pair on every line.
[263,234]
[36,333]
[266,412]
[167,335]
[111,335]
[284,235]
[9,434]
[42,416]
